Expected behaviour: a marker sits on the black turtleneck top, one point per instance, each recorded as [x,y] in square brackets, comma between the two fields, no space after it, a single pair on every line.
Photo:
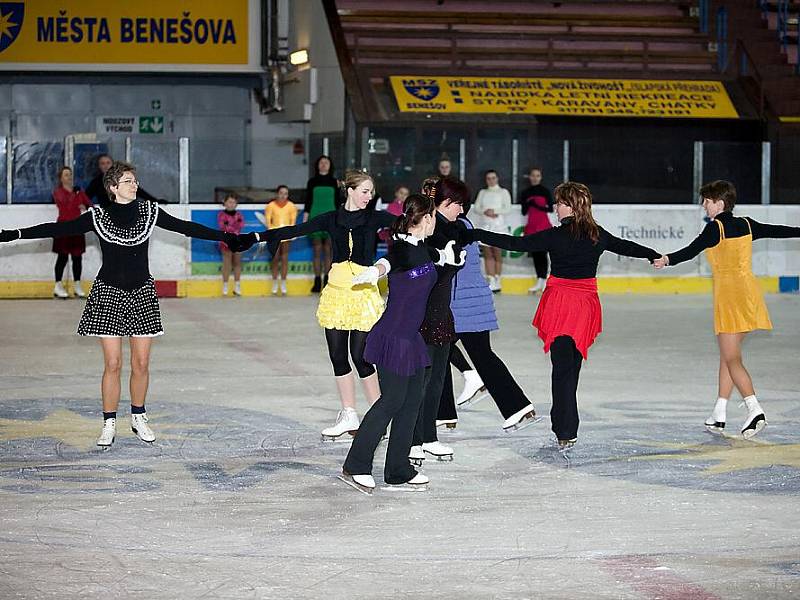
[362,224]
[734,227]
[438,327]
[124,232]
[570,258]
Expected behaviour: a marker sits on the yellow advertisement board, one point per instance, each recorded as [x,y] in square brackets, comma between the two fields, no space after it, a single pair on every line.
[178,32]
[568,97]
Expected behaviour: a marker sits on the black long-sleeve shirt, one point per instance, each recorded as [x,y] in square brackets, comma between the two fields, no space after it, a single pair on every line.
[124,266]
[362,224]
[97,192]
[526,199]
[438,327]
[734,227]
[570,258]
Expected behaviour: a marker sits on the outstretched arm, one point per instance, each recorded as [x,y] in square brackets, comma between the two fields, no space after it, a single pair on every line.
[708,238]
[536,242]
[319,223]
[629,248]
[765,230]
[188,228]
[82,224]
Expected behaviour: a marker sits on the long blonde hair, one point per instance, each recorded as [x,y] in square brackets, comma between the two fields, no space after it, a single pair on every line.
[578,197]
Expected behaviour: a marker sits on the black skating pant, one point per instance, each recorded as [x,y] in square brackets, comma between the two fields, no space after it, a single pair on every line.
[399,404]
[447,405]
[338,341]
[540,264]
[500,383]
[425,430]
[567,361]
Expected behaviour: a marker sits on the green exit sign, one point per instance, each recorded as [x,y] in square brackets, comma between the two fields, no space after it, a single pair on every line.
[152,124]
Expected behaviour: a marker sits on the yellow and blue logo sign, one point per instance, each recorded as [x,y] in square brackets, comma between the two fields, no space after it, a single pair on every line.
[11,16]
[561,96]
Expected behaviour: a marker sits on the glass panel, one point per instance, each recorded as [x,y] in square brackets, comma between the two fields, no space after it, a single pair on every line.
[624,170]
[786,168]
[406,156]
[36,165]
[85,164]
[157,168]
[492,151]
[737,162]
[545,153]
[3,143]
[215,163]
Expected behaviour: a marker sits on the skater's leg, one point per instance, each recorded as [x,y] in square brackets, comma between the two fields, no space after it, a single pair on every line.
[433,392]
[505,391]
[337,340]
[112,369]
[284,260]
[730,351]
[419,427]
[447,403]
[725,380]
[236,259]
[397,468]
[374,424]
[458,360]
[566,367]
[140,369]
[366,371]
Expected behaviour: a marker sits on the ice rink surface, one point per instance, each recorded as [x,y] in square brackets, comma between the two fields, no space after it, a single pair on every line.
[238,497]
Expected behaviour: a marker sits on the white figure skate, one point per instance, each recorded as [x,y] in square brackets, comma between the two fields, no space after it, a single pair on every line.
[346,422]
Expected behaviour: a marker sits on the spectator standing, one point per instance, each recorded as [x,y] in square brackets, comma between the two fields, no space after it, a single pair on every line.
[281,212]
[536,202]
[491,206]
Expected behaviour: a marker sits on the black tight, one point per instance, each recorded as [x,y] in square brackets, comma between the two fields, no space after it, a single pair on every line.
[338,341]
[77,266]
[567,362]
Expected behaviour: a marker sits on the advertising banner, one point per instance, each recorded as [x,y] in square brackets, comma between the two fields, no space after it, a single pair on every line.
[145,32]
[570,97]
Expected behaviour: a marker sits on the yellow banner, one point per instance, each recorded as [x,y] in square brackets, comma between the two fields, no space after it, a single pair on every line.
[124,32]
[571,97]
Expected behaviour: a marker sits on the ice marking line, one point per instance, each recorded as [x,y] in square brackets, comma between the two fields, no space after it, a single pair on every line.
[654,581]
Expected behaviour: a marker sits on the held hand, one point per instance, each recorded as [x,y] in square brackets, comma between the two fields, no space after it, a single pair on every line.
[662,262]
[8,235]
[246,241]
[369,276]
[453,256]
[232,241]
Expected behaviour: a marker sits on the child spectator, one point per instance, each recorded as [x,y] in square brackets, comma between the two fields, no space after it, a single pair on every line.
[280,212]
[230,220]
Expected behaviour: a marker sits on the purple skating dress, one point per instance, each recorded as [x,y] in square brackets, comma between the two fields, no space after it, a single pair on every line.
[395,343]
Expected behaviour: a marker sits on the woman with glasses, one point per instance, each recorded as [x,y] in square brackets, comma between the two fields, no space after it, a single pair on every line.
[122,301]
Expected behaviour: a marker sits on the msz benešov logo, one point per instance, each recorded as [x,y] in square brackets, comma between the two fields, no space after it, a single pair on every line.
[11,15]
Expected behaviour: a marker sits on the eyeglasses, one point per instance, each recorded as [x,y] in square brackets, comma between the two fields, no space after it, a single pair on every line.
[128,181]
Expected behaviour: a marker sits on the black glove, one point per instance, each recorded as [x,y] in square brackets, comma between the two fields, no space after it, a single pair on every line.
[9,235]
[246,241]
[232,241]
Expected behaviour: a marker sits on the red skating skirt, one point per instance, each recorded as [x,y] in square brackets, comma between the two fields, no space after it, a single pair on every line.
[569,307]
[74,245]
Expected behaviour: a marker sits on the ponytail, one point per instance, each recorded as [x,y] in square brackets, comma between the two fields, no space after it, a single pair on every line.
[415,207]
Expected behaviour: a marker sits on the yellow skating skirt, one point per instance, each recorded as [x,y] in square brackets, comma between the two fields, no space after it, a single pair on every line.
[739,304]
[343,306]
